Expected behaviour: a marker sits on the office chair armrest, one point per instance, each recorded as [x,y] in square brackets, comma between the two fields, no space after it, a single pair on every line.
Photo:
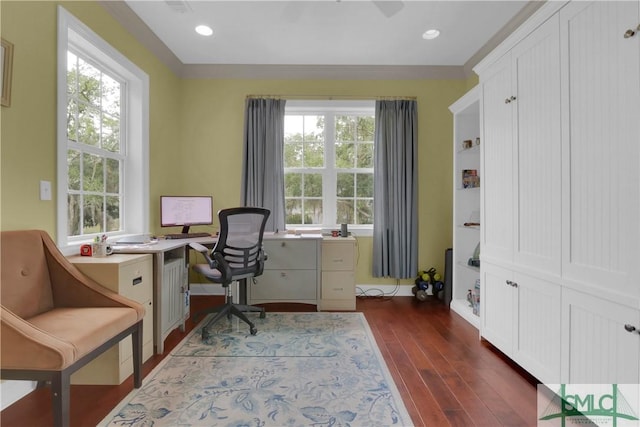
[223,267]
[200,248]
[205,252]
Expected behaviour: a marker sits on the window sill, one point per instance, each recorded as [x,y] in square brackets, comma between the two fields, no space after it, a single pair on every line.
[353,231]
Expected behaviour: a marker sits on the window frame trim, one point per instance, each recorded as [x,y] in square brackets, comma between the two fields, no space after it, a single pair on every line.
[134,211]
[335,107]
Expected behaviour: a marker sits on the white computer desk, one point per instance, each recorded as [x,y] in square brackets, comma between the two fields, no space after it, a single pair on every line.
[171,279]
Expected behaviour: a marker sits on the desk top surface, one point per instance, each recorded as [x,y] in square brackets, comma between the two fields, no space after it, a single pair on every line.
[163,245]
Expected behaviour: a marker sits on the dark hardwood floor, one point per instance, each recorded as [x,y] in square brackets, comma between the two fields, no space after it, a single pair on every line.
[446,375]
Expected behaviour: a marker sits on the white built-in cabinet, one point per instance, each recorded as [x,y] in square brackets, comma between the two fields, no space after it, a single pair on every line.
[597,346]
[560,194]
[521,162]
[601,159]
[522,314]
[466,202]
[602,146]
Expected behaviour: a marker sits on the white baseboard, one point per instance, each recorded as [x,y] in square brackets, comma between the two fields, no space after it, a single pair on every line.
[12,391]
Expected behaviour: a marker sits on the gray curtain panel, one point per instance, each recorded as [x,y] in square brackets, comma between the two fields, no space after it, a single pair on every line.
[395,207]
[263,164]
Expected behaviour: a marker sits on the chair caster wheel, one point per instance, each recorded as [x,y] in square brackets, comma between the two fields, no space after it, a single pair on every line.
[253,331]
[205,335]
[263,314]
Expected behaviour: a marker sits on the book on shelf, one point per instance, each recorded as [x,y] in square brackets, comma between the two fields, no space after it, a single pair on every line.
[470,178]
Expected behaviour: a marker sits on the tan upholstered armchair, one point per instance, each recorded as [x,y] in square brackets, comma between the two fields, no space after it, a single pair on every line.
[55,319]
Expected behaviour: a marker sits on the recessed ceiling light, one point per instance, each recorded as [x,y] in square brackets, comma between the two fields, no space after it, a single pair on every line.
[430,34]
[204,30]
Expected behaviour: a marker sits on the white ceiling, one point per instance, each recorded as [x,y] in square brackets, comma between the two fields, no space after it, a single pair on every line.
[327,32]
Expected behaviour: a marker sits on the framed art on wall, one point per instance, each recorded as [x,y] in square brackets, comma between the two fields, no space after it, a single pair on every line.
[6,56]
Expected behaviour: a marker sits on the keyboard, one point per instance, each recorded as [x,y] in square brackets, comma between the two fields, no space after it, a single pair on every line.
[174,236]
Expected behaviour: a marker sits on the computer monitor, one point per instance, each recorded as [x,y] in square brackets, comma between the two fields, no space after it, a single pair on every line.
[186,211]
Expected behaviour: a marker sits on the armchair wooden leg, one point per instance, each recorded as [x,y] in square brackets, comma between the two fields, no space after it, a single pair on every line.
[136,336]
[60,398]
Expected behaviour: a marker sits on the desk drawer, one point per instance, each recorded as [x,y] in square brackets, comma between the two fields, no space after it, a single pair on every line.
[338,285]
[136,281]
[284,285]
[337,256]
[290,254]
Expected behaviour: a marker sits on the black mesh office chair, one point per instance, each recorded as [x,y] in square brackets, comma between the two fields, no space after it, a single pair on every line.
[237,255]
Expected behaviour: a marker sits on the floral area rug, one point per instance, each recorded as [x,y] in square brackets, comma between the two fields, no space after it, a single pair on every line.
[301,369]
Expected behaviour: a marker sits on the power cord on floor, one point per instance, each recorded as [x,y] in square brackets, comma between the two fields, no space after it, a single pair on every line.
[376,293]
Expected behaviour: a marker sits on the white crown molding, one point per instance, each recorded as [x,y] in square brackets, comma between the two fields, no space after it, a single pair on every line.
[324,72]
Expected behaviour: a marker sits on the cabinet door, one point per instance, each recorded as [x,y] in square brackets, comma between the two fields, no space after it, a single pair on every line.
[497,161]
[497,312]
[601,152]
[537,345]
[537,168]
[597,348]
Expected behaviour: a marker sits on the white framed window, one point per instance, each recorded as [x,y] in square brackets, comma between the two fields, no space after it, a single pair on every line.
[329,163]
[103,142]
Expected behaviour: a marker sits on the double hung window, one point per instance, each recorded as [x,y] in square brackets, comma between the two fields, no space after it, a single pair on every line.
[102,138]
[95,155]
[328,163]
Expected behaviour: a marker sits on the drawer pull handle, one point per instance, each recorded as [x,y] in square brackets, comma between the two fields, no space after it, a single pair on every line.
[338,260]
[137,281]
[629,328]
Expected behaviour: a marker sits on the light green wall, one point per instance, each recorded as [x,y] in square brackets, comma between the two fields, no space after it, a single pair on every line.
[195,129]
[472,82]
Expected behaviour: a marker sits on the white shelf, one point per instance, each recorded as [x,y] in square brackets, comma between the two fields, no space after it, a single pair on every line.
[466,202]
[470,267]
[474,149]
[461,306]
[469,227]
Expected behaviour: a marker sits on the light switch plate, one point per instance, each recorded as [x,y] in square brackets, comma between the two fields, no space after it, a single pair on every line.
[45,190]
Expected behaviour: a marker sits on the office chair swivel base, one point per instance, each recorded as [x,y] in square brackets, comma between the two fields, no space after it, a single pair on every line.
[229,310]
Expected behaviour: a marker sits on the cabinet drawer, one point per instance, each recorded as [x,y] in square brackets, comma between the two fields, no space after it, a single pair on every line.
[338,285]
[290,254]
[136,281]
[337,256]
[285,285]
